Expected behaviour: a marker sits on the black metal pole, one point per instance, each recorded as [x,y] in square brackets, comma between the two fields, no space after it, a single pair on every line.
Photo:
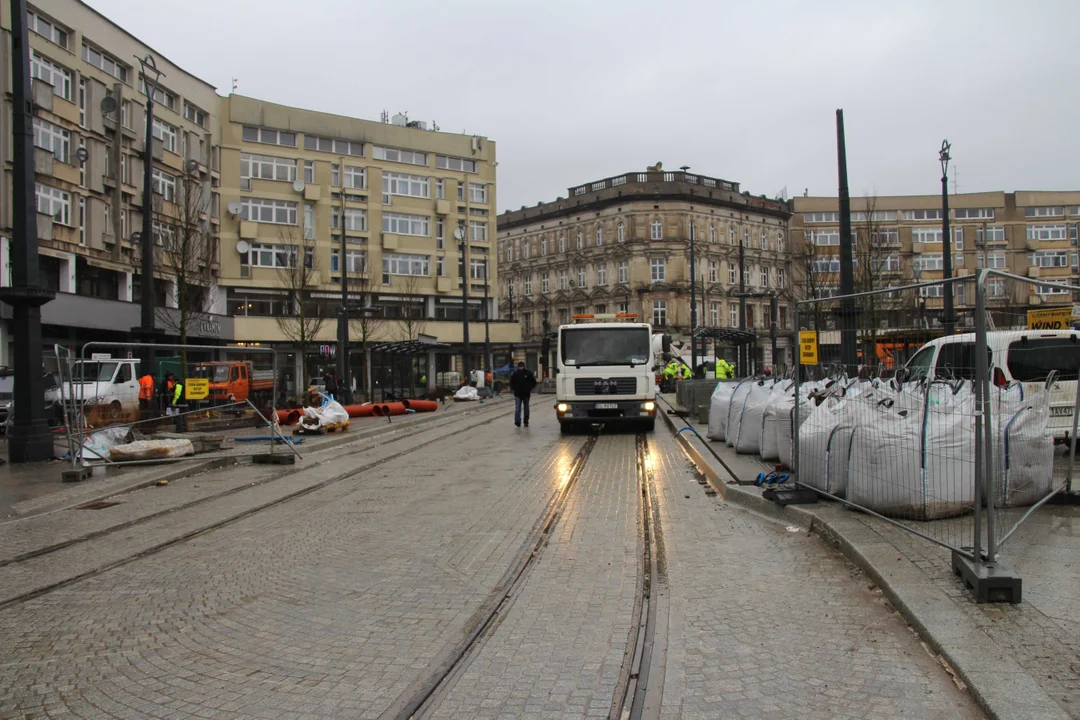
[693,305]
[511,293]
[344,382]
[29,439]
[772,331]
[744,348]
[465,362]
[487,328]
[946,241]
[848,351]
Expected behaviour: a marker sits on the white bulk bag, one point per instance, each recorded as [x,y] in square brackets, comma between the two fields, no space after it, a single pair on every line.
[748,433]
[781,399]
[815,438]
[718,409]
[1023,450]
[734,415]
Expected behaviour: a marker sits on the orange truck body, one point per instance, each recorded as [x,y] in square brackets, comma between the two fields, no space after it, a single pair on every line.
[235,381]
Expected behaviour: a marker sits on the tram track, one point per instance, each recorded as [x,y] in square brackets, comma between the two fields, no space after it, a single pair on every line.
[142,520]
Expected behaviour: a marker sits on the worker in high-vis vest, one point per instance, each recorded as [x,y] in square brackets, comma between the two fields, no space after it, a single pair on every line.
[686,372]
[724,370]
[146,394]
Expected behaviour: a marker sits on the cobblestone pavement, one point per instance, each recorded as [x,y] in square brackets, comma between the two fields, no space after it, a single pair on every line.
[326,606]
[559,648]
[766,623]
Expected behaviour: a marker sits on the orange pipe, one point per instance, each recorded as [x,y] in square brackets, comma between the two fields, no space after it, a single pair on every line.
[421,405]
[385,409]
[288,417]
[363,410]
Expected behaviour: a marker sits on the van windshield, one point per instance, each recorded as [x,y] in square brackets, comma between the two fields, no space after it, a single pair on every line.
[93,371]
[1032,360]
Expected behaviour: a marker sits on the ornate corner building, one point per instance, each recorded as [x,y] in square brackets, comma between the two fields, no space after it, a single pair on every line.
[622,245]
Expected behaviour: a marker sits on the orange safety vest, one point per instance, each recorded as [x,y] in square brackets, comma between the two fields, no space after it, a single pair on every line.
[146,388]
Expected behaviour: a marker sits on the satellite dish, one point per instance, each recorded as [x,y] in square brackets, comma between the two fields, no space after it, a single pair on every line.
[108,105]
[233,208]
[298,185]
[242,246]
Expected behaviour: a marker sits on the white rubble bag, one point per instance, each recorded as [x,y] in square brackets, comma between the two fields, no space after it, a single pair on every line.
[1023,459]
[151,450]
[785,418]
[718,409]
[734,414]
[466,392]
[329,414]
[748,433]
[776,404]
[821,463]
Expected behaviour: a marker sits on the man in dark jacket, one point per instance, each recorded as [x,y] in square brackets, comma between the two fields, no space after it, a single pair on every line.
[331,384]
[522,382]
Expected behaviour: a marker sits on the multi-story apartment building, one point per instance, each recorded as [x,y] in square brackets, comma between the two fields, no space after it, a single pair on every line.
[621,245]
[898,240]
[295,181]
[88,163]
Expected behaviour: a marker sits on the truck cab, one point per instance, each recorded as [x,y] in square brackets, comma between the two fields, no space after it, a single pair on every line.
[605,373]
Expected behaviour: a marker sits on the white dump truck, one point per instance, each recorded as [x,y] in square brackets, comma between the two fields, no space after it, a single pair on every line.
[607,372]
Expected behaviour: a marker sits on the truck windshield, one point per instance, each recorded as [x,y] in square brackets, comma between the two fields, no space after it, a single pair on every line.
[605,346]
[216,373]
[93,371]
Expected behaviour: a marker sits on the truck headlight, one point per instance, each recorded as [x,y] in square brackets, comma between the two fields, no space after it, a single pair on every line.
[562,407]
[649,406]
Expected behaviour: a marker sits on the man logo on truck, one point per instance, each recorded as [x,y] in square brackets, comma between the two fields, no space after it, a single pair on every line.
[604,386]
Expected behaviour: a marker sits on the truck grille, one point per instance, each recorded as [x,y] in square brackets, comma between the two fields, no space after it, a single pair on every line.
[605,386]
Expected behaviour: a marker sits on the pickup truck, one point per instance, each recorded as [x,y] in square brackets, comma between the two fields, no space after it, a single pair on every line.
[236,382]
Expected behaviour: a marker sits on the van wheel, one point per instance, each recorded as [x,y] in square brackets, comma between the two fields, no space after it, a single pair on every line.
[115,411]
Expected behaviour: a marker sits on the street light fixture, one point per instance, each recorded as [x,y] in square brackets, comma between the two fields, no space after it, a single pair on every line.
[946,240]
[150,76]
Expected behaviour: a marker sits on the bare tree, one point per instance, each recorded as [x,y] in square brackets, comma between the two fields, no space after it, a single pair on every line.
[808,281]
[367,325]
[412,320]
[297,272]
[185,254]
[872,251]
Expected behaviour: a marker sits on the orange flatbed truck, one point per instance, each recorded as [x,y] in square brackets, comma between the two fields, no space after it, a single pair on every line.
[236,382]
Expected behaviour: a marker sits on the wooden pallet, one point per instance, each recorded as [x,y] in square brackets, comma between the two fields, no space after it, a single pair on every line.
[324,430]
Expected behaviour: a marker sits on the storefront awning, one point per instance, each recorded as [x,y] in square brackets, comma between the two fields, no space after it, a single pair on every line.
[729,336]
[408,347]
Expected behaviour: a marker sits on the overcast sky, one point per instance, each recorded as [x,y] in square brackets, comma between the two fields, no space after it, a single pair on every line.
[579,91]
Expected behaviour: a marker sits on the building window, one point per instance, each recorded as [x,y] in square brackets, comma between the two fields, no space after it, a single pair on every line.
[528,284]
[355,219]
[355,261]
[166,133]
[580,240]
[995,287]
[526,249]
[714,314]
[266,167]
[926,235]
[1037,212]
[82,220]
[404,264]
[82,102]
[478,269]
[54,203]
[268,136]
[47,72]
[659,313]
[545,283]
[733,315]
[161,95]
[599,236]
[404,185]
[826,265]
[821,217]
[333,145]
[974,213]
[1046,232]
[53,138]
[657,229]
[765,277]
[994,260]
[309,171]
[278,212]
[714,271]
[356,178]
[335,177]
[781,280]
[164,235]
[993,234]
[780,241]
[543,246]
[402,224]
[746,238]
[564,316]
[562,243]
[621,233]
[712,233]
[1049,259]
[478,231]
[452,163]
[581,277]
[104,61]
[623,271]
[309,221]
[747,277]
[733,274]
[764,240]
[601,275]
[564,280]
[195,115]
[929,261]
[273,256]
[658,269]
[440,190]
[920,215]
[958,238]
[164,185]
[48,30]
[402,156]
[477,192]
[731,234]
[885,236]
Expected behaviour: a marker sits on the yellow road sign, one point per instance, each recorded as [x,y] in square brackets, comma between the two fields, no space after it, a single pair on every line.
[196,388]
[1059,318]
[808,347]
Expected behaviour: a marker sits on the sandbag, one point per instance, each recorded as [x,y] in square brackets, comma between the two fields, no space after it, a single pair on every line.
[777,400]
[816,438]
[1023,458]
[734,417]
[748,435]
[718,409]
[151,450]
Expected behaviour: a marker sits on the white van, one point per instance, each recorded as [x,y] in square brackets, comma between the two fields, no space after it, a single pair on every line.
[1023,356]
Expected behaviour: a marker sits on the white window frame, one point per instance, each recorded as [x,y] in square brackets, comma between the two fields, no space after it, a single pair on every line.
[406,224]
[599,236]
[268,136]
[580,240]
[733,274]
[659,313]
[355,219]
[781,280]
[621,232]
[994,233]
[764,277]
[825,238]
[929,262]
[164,184]
[49,72]
[161,95]
[407,264]
[53,138]
[309,171]
[564,280]
[974,213]
[821,217]
[404,185]
[409,157]
[478,193]
[714,271]
[926,235]
[657,269]
[657,229]
[355,261]
[337,146]
[356,178]
[714,314]
[545,283]
[712,233]
[264,210]
[166,133]
[624,272]
[195,114]
[1047,232]
[562,243]
[1040,212]
[543,246]
[48,29]
[581,276]
[601,275]
[445,162]
[478,231]
[54,202]
[104,62]
[921,215]
[267,167]
[527,284]
[764,239]
[1049,259]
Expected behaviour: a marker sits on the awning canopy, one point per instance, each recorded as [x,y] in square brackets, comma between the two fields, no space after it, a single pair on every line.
[730,336]
[408,347]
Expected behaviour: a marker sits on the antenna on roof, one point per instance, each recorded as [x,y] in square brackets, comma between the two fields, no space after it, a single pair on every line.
[234,84]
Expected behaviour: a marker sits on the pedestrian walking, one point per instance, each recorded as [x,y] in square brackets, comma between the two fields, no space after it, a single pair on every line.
[331,384]
[522,382]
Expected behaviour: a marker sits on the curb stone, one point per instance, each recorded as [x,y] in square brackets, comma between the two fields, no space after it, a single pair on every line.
[1003,689]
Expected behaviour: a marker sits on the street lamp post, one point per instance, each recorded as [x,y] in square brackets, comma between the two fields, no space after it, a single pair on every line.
[344,370]
[849,352]
[946,241]
[29,439]
[510,288]
[487,328]
[744,354]
[148,329]
[462,245]
[693,304]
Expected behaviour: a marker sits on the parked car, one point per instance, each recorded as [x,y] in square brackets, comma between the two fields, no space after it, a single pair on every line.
[54,408]
[1027,357]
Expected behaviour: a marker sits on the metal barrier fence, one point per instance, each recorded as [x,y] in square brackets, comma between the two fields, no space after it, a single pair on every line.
[189,394]
[957,450]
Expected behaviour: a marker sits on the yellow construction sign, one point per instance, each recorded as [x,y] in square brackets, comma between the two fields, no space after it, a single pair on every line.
[196,388]
[808,347]
[1058,318]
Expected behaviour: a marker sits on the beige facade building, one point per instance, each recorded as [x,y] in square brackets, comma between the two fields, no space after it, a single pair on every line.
[88,208]
[622,245]
[1032,234]
[295,181]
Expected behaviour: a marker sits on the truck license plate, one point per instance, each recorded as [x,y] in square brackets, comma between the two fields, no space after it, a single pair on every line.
[1061,411]
[607,406]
